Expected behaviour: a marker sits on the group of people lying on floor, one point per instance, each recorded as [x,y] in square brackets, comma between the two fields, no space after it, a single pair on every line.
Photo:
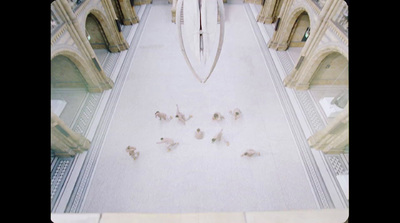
[198,133]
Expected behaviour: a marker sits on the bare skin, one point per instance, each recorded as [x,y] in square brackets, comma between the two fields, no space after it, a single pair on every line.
[250,153]
[199,134]
[132,152]
[170,142]
[181,116]
[236,113]
[217,116]
[162,116]
[219,137]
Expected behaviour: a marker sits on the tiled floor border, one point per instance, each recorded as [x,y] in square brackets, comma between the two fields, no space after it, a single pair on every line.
[80,125]
[317,183]
[61,167]
[295,216]
[89,164]
[306,102]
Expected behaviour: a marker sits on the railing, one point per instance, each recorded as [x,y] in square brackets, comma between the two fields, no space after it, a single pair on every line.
[319,3]
[341,19]
[55,21]
[75,4]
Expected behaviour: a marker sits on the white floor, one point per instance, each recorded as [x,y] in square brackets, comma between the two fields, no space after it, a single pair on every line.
[198,176]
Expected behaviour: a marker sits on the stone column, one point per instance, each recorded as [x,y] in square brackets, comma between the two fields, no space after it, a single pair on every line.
[126,11]
[130,16]
[64,141]
[116,39]
[142,2]
[277,40]
[95,77]
[269,11]
[335,136]
[173,11]
[259,2]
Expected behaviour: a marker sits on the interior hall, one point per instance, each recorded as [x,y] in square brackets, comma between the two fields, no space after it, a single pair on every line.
[117,66]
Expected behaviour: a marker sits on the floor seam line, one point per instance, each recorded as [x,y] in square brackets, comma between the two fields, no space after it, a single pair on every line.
[76,200]
[311,168]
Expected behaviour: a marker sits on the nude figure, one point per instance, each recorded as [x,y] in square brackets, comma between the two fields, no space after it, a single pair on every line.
[236,113]
[199,134]
[162,116]
[170,142]
[250,153]
[132,152]
[219,137]
[217,116]
[181,116]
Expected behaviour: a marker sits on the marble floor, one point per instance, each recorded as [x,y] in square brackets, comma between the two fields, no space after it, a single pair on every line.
[198,175]
[308,216]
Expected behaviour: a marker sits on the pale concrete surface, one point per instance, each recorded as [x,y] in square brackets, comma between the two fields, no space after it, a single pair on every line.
[198,176]
[235,217]
[75,218]
[296,216]
[299,216]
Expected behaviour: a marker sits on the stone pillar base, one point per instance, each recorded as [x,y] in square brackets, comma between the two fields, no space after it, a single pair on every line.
[173,13]
[83,145]
[118,48]
[301,87]
[108,84]
[63,154]
[131,21]
[265,20]
[278,46]
[288,81]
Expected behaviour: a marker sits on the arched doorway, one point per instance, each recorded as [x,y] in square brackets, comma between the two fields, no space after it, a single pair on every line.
[276,9]
[118,11]
[125,12]
[269,11]
[329,84]
[95,33]
[300,31]
[333,70]
[68,88]
[65,74]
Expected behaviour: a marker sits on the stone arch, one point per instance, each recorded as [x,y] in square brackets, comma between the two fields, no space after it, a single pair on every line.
[270,11]
[77,62]
[125,11]
[100,30]
[118,9]
[277,5]
[292,29]
[332,53]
